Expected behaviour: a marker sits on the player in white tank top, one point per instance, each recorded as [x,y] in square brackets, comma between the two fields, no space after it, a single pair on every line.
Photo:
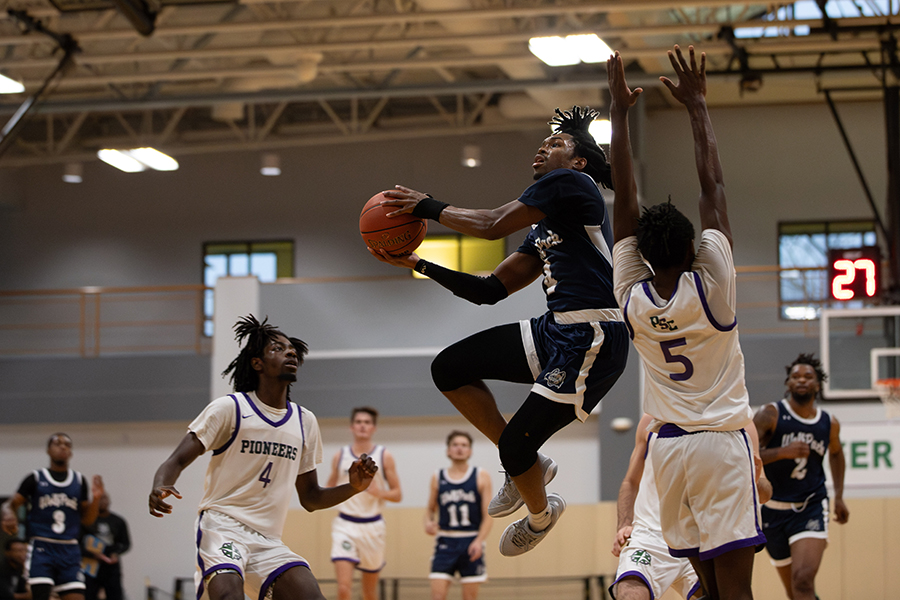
[680,313]
[263,446]
[358,533]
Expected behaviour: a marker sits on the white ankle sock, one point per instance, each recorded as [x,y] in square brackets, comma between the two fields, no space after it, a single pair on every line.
[539,521]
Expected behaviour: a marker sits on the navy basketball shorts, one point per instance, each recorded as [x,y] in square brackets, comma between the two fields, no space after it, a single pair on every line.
[56,564]
[575,360]
[790,522]
[451,555]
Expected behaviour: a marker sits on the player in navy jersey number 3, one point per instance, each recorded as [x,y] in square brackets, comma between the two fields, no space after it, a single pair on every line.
[572,355]
[795,435]
[59,501]
[459,498]
[263,446]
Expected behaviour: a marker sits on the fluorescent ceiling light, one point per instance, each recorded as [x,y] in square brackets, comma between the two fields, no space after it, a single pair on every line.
[601,129]
[589,47]
[72,173]
[138,159]
[120,160]
[557,51]
[271,165]
[10,86]
[154,159]
[553,50]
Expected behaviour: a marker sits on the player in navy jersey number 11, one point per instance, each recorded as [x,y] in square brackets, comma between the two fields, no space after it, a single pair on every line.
[795,435]
[457,515]
[571,355]
[263,447]
[58,502]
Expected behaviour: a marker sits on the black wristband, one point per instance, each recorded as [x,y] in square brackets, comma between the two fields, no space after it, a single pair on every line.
[429,208]
[420,266]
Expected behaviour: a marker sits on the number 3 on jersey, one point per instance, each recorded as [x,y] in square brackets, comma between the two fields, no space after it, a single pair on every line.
[264,476]
[677,358]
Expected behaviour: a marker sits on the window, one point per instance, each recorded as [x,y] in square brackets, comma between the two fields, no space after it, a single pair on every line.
[803,261]
[267,260]
[462,253]
[809,9]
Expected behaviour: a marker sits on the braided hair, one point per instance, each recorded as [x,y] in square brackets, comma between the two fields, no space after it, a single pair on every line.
[810,360]
[575,122]
[664,235]
[243,375]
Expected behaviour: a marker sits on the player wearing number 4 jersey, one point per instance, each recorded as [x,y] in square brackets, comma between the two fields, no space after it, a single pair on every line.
[795,436]
[58,503]
[680,311]
[571,355]
[459,500]
[262,446]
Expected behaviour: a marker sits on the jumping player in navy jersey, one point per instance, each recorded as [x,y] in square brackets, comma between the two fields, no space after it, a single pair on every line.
[459,498]
[59,501]
[572,355]
[795,435]
[263,446]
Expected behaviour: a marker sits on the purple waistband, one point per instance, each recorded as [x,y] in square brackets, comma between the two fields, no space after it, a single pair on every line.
[353,519]
[669,430]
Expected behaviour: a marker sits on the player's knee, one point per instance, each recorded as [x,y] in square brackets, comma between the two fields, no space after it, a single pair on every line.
[631,588]
[803,579]
[447,372]
[517,453]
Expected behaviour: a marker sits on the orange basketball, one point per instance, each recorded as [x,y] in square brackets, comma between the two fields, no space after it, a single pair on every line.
[398,236]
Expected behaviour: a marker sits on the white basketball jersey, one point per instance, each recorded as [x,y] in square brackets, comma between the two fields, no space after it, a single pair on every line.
[255,464]
[693,364]
[646,503]
[361,505]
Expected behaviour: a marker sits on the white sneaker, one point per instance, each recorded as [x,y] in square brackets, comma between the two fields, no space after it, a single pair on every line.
[519,538]
[508,499]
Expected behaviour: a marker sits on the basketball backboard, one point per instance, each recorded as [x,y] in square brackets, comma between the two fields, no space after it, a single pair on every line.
[858,347]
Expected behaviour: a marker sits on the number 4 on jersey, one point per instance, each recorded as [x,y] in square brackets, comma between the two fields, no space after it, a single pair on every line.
[264,476]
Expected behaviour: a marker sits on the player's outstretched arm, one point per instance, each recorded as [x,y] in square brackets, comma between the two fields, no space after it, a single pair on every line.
[10,519]
[313,497]
[167,474]
[631,483]
[691,91]
[90,509]
[836,462]
[488,224]
[626,210]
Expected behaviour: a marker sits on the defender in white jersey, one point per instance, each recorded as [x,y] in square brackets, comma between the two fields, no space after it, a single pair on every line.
[263,445]
[679,306]
[646,569]
[358,533]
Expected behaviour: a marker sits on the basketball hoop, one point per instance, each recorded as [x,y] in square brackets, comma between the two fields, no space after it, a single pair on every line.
[889,391]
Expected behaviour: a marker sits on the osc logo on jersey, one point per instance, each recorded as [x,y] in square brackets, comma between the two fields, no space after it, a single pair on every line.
[641,557]
[555,378]
[663,324]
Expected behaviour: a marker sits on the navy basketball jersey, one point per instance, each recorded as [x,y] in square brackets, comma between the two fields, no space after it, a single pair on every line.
[459,503]
[801,478]
[55,511]
[574,240]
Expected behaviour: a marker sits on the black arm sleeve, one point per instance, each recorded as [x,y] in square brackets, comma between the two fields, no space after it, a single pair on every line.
[27,487]
[475,289]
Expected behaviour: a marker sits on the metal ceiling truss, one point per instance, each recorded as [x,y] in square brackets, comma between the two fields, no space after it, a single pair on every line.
[266,74]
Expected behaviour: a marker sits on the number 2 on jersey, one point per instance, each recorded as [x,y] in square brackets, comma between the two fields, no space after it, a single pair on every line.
[677,358]
[799,471]
[264,476]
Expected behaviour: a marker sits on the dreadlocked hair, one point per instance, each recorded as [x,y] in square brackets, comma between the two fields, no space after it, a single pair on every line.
[243,376]
[811,360]
[575,122]
[664,235]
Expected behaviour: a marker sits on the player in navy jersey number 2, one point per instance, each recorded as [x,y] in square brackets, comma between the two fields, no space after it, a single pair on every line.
[58,502]
[680,312]
[572,354]
[263,446]
[795,435]
[457,514]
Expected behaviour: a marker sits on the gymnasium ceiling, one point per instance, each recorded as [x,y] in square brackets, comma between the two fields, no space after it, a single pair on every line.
[261,74]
